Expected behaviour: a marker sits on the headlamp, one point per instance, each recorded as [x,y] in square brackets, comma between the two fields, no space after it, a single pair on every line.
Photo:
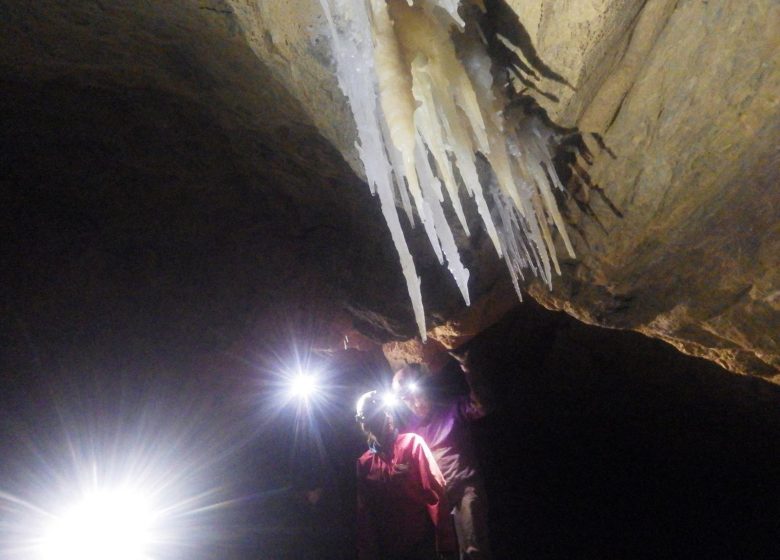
[372,402]
[104,525]
[408,389]
[390,400]
[303,385]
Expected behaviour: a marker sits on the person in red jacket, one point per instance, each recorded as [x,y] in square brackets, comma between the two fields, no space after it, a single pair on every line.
[402,508]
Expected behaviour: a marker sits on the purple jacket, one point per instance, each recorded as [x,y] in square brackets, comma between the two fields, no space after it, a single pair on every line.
[447,432]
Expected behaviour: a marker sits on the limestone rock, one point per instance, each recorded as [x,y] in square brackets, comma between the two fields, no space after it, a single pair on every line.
[137,131]
[679,102]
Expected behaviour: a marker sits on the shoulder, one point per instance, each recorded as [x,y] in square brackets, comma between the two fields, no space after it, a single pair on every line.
[468,409]
[455,408]
[366,456]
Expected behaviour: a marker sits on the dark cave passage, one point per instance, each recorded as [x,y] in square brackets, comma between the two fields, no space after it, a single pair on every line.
[605,444]
[612,445]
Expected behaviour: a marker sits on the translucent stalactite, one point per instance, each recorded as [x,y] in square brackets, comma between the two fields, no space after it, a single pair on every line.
[352,44]
[424,109]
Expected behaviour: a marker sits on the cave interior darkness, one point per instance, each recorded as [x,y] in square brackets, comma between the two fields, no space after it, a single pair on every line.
[155,278]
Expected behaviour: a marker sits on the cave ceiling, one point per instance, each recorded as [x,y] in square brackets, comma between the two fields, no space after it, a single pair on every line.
[183,172]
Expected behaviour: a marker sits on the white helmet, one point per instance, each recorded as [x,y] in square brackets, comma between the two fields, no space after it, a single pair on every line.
[372,402]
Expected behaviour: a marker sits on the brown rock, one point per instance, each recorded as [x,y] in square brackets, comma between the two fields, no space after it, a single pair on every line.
[138,132]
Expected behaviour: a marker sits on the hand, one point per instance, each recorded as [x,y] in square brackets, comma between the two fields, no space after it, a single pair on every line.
[463,359]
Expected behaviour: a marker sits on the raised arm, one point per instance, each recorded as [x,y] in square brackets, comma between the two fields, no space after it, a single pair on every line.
[480,400]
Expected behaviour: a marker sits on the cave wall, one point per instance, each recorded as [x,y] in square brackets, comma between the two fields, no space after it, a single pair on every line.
[677,100]
[684,96]
[614,445]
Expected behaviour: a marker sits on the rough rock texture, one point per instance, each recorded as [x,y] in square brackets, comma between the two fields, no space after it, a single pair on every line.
[180,164]
[686,97]
[683,99]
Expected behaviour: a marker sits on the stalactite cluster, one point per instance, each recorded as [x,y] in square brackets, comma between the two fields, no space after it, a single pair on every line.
[425,101]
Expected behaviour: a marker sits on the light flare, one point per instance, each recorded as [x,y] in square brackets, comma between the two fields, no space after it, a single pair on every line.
[304,385]
[390,400]
[115,524]
[137,484]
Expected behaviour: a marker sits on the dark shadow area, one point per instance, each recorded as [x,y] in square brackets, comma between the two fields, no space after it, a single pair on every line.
[507,38]
[507,23]
[605,444]
[608,444]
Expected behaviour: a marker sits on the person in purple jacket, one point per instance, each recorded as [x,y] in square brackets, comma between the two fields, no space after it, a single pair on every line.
[444,426]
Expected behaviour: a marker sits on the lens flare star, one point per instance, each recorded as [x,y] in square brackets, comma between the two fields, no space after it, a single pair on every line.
[390,400]
[304,385]
[116,524]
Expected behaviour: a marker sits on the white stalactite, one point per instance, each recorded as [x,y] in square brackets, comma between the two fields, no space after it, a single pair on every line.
[415,97]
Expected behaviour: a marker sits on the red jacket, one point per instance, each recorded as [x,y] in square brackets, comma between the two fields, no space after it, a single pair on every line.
[401,501]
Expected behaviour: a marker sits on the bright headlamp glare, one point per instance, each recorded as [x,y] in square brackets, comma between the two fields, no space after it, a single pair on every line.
[390,400]
[407,390]
[371,403]
[304,385]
